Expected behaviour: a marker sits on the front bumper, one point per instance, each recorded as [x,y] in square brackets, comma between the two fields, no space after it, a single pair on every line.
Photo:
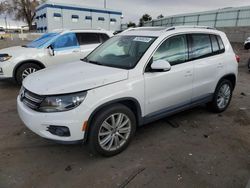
[39,122]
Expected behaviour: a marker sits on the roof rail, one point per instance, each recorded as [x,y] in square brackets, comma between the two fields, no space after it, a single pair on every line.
[142,28]
[189,26]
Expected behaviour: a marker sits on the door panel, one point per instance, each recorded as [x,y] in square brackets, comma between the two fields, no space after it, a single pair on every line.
[66,55]
[208,66]
[66,49]
[169,89]
[205,74]
[166,90]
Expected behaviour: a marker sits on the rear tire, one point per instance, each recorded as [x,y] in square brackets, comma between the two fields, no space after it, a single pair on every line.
[111,130]
[24,70]
[222,96]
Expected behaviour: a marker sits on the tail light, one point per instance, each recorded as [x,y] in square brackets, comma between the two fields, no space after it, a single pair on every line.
[237,58]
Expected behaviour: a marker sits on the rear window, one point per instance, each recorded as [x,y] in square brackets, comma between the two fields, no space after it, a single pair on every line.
[200,46]
[222,47]
[215,44]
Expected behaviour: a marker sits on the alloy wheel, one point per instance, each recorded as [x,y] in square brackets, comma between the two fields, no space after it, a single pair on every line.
[114,132]
[224,95]
[28,71]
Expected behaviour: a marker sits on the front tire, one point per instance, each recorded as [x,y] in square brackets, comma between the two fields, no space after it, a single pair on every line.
[222,96]
[111,130]
[24,70]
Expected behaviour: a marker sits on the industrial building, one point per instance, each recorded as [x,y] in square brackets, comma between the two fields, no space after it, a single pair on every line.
[51,16]
[234,21]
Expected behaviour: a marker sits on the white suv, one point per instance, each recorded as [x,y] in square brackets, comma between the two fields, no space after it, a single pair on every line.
[51,48]
[134,78]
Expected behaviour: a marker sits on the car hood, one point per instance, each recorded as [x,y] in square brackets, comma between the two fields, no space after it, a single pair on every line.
[14,50]
[17,51]
[72,77]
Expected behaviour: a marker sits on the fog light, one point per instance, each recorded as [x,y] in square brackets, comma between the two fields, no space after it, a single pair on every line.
[59,130]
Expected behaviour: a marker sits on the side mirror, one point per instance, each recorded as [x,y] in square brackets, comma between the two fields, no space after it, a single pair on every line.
[51,50]
[161,66]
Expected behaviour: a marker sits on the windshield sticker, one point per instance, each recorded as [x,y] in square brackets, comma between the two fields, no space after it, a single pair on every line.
[142,39]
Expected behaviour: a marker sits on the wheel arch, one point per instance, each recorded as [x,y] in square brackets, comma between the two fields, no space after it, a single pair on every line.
[231,77]
[24,62]
[129,102]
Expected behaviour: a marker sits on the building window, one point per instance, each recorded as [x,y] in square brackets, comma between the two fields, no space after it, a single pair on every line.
[112,20]
[101,19]
[75,18]
[57,16]
[37,17]
[88,18]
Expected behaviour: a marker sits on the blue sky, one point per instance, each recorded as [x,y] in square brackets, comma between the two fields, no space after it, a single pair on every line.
[133,9]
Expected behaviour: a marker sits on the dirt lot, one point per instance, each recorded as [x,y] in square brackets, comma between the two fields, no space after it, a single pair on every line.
[202,149]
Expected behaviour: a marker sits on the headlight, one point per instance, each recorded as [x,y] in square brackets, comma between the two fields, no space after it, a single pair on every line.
[62,102]
[4,57]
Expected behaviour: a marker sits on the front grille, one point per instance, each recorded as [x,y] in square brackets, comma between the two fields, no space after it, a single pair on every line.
[31,100]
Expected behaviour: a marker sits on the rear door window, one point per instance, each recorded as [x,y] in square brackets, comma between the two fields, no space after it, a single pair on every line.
[88,38]
[200,46]
[103,37]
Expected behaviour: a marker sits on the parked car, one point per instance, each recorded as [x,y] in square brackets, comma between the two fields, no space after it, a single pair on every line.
[52,48]
[2,33]
[134,78]
[247,44]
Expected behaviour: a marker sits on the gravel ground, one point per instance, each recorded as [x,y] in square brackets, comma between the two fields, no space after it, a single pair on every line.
[195,148]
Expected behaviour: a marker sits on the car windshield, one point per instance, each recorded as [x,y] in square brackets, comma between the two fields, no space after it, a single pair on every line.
[41,40]
[121,51]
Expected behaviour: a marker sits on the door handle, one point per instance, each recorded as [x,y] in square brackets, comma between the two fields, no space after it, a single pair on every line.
[188,74]
[220,65]
[75,51]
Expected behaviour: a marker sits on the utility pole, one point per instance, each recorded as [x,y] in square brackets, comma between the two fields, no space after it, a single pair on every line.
[105,4]
[6,26]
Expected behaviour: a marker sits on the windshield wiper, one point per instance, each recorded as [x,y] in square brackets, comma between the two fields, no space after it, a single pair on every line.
[25,46]
[92,62]
[95,62]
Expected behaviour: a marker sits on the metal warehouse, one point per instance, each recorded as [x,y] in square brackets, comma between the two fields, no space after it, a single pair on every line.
[234,21]
[51,16]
